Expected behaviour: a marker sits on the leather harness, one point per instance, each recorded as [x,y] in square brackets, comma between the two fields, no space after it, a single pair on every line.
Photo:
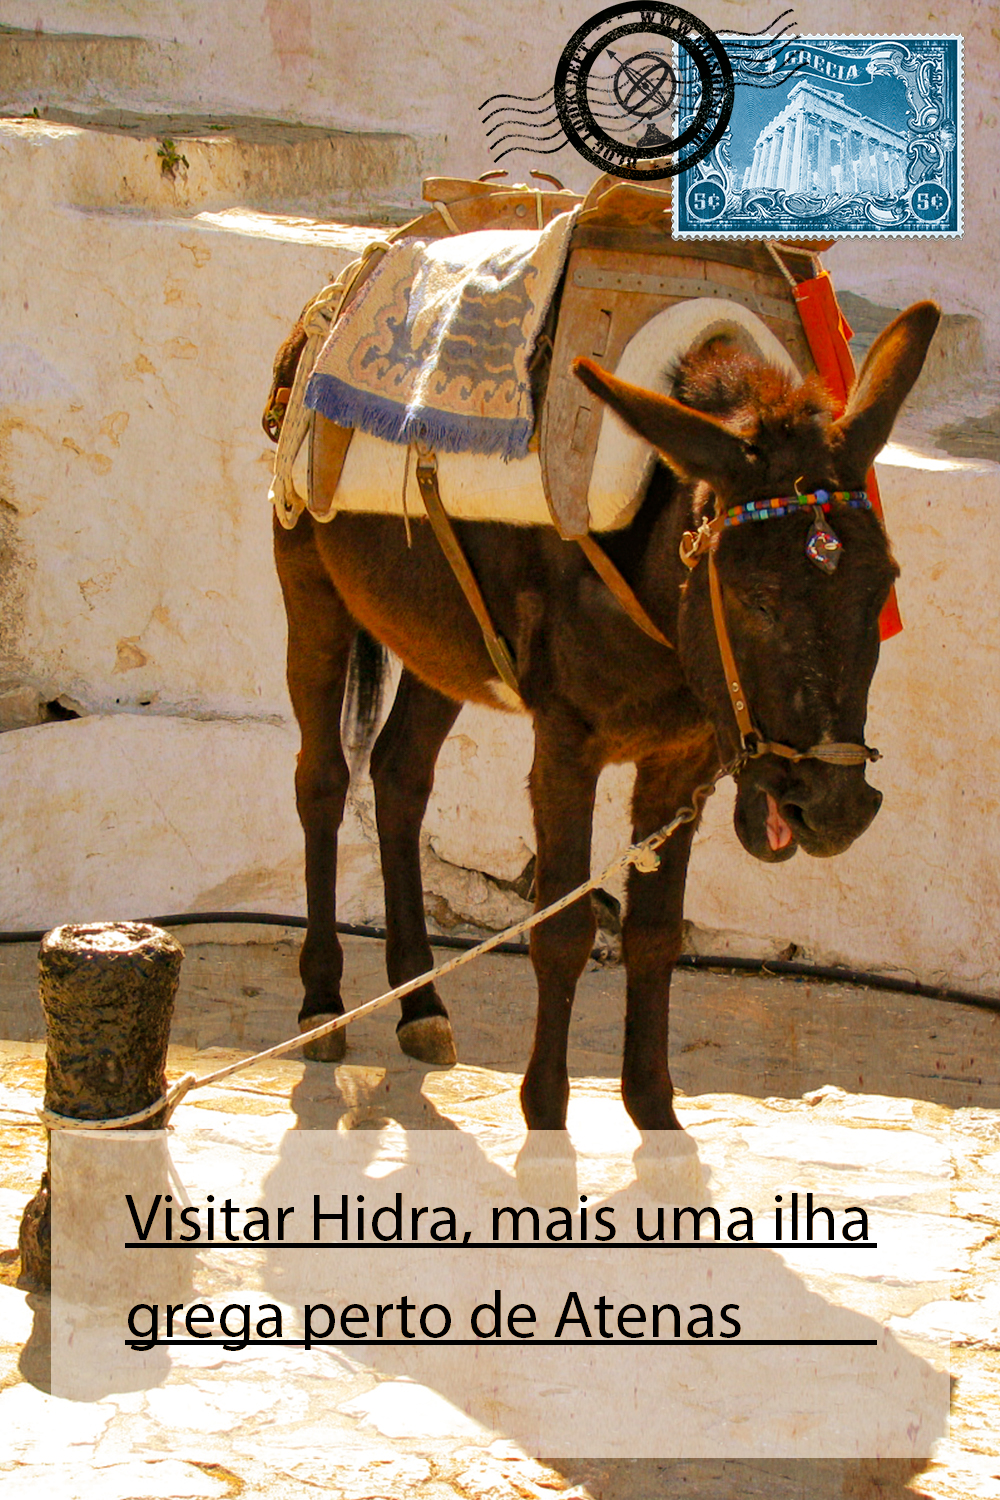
[499,651]
[481,204]
[444,531]
[696,544]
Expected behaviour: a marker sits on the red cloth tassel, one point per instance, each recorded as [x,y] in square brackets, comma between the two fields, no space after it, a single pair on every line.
[828,332]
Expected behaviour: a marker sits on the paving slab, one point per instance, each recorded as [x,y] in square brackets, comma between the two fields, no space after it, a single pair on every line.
[895,1096]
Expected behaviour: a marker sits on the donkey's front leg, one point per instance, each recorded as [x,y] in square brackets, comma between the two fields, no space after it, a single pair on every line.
[563,782]
[651,938]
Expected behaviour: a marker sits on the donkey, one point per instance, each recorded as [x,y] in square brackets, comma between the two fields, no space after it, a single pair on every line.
[803,644]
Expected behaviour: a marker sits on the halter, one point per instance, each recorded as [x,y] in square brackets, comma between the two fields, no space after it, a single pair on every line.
[823,548]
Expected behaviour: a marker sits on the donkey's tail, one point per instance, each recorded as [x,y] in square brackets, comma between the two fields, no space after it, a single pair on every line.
[365,688]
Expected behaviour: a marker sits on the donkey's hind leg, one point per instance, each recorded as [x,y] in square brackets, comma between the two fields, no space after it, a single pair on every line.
[402,769]
[320,632]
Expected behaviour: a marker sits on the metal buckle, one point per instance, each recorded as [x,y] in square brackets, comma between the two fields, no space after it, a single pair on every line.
[694,543]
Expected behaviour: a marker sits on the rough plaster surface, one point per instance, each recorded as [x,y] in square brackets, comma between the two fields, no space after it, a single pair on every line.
[116,816]
[260,1423]
[424,69]
[134,362]
[141,313]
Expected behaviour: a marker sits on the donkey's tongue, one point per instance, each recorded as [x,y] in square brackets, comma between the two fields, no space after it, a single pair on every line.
[779,835]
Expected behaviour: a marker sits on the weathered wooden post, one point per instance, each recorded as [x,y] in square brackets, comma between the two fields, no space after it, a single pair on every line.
[107,989]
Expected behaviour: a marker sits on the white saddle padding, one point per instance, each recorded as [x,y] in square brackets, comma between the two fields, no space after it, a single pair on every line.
[476,488]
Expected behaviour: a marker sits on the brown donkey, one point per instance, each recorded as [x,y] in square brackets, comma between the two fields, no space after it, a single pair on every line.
[804,642]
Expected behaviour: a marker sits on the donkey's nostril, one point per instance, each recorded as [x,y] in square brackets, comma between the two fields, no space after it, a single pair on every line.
[793,813]
[831,822]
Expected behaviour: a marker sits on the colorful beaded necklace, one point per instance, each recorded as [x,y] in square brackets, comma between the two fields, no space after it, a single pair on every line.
[783,505]
[822,544]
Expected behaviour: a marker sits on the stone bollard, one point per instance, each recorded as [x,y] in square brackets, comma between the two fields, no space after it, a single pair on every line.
[107,989]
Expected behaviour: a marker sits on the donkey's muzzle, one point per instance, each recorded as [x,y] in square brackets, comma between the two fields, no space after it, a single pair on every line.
[821,810]
[825,816]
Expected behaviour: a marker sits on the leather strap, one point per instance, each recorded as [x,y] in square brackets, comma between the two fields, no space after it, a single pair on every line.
[834,753]
[328,447]
[734,687]
[427,483]
[606,570]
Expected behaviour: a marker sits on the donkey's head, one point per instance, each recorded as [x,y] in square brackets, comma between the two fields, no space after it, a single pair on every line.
[805,640]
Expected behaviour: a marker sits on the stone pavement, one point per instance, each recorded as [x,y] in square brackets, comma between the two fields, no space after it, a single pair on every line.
[773,1071]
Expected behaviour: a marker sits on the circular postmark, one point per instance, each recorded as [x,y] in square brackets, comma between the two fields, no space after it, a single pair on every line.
[616,94]
[645,85]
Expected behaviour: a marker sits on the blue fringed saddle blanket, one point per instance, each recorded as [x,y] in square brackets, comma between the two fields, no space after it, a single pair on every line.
[436,346]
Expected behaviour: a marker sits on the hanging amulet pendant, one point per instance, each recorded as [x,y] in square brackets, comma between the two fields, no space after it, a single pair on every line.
[822,544]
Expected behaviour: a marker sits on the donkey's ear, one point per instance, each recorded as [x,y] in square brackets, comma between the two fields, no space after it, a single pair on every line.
[887,377]
[696,446]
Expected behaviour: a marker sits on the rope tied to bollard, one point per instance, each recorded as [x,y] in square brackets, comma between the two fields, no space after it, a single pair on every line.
[166,1103]
[642,856]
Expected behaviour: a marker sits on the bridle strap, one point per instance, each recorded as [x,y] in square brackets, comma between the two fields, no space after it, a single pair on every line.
[753,746]
[734,686]
[694,544]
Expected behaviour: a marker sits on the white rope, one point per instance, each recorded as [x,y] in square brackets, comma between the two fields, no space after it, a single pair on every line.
[447,216]
[167,1102]
[407,456]
[642,856]
[780,264]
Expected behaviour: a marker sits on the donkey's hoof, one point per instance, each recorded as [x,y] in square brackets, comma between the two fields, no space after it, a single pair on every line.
[429,1040]
[329,1048]
[669,1169]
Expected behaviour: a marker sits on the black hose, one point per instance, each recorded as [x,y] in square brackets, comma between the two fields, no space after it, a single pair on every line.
[274,919]
[781,968]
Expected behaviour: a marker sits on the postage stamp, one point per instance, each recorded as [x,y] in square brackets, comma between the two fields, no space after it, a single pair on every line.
[858,136]
[619,101]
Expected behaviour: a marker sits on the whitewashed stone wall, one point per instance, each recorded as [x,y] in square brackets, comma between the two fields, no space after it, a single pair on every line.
[136,587]
[423,67]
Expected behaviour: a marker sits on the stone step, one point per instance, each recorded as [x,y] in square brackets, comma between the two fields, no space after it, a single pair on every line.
[177,164]
[38,69]
[123,97]
[137,583]
[135,360]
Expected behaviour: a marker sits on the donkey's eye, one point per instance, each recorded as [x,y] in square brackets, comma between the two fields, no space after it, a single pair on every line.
[760,609]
